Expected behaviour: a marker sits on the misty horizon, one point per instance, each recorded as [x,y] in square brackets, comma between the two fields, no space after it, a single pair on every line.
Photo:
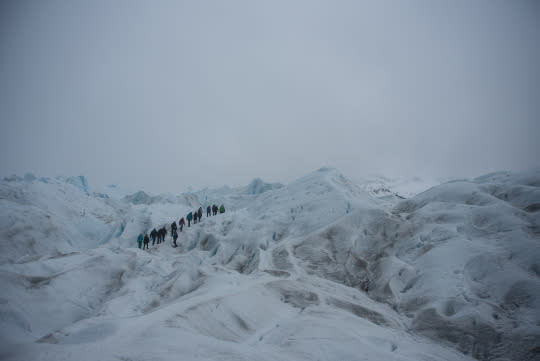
[166,96]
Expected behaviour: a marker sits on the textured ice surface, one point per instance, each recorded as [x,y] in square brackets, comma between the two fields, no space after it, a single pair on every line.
[317,269]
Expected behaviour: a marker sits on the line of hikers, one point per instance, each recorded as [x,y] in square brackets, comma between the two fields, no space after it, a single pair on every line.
[159,235]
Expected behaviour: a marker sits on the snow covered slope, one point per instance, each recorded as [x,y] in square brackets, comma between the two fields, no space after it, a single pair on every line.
[49,217]
[383,187]
[459,261]
[315,270]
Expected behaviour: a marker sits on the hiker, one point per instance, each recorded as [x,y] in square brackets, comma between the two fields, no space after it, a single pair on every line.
[200,214]
[195,216]
[222,209]
[189,218]
[153,235]
[181,223]
[159,234]
[214,209]
[175,237]
[207,211]
[163,232]
[146,240]
[140,240]
[173,227]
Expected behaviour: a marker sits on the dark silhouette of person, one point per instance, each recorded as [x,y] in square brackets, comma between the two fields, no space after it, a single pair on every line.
[181,223]
[153,235]
[163,233]
[146,240]
[175,237]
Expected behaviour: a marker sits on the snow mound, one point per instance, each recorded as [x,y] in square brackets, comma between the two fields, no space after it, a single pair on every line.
[257,186]
[140,198]
[317,269]
[52,218]
[469,265]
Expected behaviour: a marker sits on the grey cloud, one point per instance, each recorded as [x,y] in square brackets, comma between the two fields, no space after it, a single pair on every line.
[165,95]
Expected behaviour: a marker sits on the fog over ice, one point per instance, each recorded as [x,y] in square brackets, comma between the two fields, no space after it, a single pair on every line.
[163,96]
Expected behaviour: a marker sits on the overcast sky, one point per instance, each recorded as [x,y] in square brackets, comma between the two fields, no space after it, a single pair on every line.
[162,95]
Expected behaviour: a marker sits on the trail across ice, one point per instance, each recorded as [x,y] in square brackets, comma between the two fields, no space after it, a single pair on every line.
[315,270]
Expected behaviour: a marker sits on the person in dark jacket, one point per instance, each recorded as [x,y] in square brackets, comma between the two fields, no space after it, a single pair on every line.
[195,216]
[175,237]
[146,240]
[163,232]
[173,227]
[153,235]
[208,210]
[199,213]
[181,223]
[214,209]
[189,218]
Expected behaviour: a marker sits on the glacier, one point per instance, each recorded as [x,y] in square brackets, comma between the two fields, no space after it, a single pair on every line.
[323,268]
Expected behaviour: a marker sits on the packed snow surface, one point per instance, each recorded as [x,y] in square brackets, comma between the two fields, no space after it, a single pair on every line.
[320,269]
